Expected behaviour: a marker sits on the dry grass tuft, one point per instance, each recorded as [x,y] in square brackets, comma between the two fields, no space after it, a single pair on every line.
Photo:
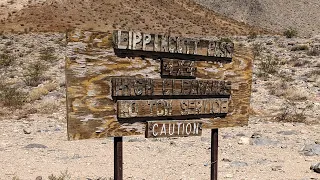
[48,106]
[39,92]
[294,94]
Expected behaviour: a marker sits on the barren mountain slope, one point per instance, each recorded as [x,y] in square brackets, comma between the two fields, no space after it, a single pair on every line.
[278,15]
[176,16]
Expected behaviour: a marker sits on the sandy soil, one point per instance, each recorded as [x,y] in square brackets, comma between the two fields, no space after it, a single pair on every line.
[274,153]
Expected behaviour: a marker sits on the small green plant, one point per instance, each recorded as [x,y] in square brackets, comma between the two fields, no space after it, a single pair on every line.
[34,73]
[290,33]
[6,60]
[47,54]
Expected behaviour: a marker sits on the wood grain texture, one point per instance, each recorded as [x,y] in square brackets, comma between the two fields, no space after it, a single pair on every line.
[91,63]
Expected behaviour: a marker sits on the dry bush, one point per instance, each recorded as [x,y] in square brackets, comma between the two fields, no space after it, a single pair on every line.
[63,176]
[34,73]
[294,94]
[39,92]
[268,65]
[313,52]
[11,96]
[300,63]
[257,49]
[6,60]
[252,35]
[48,106]
[300,47]
[47,54]
[278,88]
[291,113]
[290,33]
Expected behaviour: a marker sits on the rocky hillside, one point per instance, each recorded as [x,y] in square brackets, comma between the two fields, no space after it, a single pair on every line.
[278,15]
[176,16]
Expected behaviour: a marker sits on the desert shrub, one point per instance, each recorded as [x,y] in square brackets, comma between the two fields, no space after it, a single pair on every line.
[294,94]
[63,176]
[268,65]
[300,63]
[48,106]
[225,39]
[290,33]
[257,49]
[252,35]
[39,92]
[6,60]
[300,48]
[11,96]
[9,43]
[291,113]
[34,73]
[47,54]
[313,52]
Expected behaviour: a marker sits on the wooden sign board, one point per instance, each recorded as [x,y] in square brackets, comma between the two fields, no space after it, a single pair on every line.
[130,83]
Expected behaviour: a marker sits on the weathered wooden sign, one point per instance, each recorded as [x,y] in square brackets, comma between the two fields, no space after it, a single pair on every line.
[125,83]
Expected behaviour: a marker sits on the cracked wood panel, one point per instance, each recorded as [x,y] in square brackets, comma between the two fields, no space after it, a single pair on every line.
[91,63]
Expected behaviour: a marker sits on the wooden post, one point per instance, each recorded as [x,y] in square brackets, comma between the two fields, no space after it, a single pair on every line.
[214,154]
[118,161]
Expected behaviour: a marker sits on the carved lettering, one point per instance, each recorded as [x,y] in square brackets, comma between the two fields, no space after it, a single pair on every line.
[126,87]
[170,44]
[156,129]
[172,107]
[178,68]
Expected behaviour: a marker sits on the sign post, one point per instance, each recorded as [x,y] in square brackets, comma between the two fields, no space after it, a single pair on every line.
[118,158]
[214,154]
[124,83]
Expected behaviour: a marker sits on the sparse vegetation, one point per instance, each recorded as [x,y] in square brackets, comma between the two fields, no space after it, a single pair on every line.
[290,33]
[34,73]
[6,60]
[268,65]
[252,35]
[225,39]
[63,176]
[47,54]
[302,47]
[11,96]
[313,52]
[290,112]
[257,49]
